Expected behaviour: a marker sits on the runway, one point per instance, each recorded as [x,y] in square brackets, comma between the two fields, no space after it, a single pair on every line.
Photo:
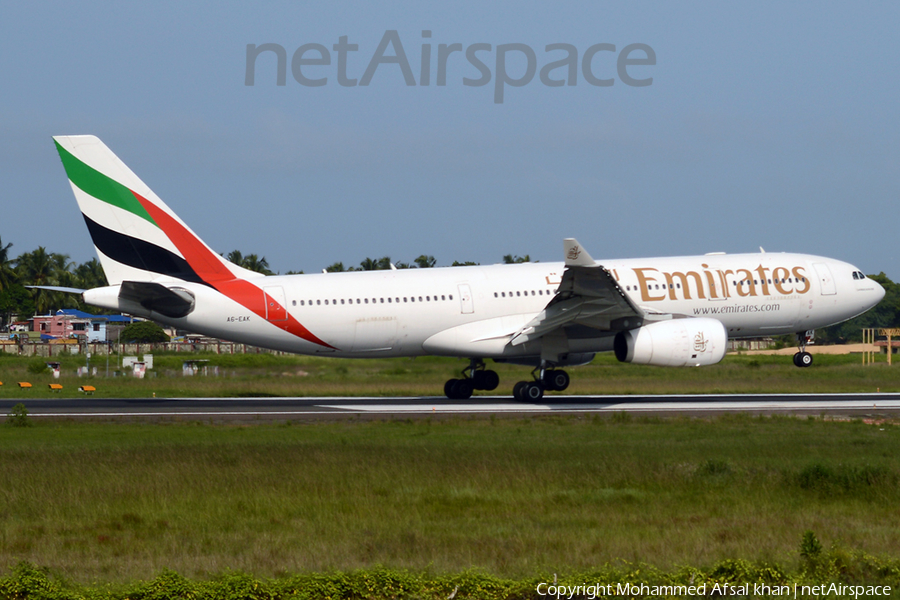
[284,409]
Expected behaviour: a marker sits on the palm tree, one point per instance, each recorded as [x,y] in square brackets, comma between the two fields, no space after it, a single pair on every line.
[7,275]
[255,263]
[235,257]
[425,262]
[42,268]
[509,259]
[90,275]
[251,262]
[372,264]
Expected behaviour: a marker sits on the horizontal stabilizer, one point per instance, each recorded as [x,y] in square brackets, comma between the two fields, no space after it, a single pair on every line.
[56,288]
[169,302]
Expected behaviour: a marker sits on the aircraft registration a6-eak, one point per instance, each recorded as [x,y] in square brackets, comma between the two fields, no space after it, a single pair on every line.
[674,312]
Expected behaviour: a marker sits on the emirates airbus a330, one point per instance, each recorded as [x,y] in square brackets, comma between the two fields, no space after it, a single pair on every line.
[674,312]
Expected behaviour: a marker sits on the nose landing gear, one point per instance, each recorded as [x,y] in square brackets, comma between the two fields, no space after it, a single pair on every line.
[804,358]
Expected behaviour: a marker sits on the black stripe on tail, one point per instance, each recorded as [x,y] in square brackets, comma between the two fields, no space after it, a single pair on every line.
[139,254]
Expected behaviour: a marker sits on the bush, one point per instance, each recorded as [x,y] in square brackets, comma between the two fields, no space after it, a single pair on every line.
[143,332]
[18,417]
[37,366]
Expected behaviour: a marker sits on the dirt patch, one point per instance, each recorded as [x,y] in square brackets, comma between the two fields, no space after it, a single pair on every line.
[813,349]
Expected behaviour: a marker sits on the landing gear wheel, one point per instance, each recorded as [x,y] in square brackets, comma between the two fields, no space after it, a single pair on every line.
[486,380]
[458,389]
[448,387]
[803,359]
[532,391]
[556,380]
[461,390]
[517,391]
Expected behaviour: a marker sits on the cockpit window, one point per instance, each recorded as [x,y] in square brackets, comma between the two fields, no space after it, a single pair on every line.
[859,275]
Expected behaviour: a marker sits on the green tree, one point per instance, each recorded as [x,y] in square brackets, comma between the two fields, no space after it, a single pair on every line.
[90,275]
[7,274]
[40,267]
[510,259]
[143,332]
[425,262]
[251,262]
[337,267]
[379,264]
[16,300]
[467,263]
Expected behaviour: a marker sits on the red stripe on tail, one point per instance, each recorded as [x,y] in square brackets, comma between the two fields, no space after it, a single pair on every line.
[211,270]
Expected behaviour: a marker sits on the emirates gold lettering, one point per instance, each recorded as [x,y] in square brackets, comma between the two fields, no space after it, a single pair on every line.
[644,284]
[685,284]
[714,284]
[800,277]
[780,275]
[710,278]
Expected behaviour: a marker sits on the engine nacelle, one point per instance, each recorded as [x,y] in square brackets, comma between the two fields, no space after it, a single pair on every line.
[675,343]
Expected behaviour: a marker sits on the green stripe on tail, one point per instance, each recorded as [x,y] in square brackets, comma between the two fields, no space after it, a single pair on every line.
[98,185]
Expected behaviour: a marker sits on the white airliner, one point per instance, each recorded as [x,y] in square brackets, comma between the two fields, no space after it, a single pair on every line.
[656,311]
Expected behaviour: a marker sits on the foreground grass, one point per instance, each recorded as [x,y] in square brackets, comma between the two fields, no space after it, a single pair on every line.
[270,375]
[854,575]
[118,503]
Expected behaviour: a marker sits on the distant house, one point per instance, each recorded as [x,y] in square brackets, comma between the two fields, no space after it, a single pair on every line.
[59,326]
[71,323]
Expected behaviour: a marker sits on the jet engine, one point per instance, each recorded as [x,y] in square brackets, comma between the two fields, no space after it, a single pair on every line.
[674,343]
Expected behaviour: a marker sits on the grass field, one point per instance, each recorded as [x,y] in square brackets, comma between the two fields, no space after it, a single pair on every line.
[266,374]
[515,497]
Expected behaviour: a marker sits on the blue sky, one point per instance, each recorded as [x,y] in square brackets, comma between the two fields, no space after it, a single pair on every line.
[767,124]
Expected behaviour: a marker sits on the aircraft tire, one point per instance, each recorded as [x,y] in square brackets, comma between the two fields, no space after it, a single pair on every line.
[805,359]
[486,380]
[448,387]
[556,380]
[461,389]
[533,391]
[518,391]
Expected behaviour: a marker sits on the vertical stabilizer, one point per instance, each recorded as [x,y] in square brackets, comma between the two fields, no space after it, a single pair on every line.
[137,237]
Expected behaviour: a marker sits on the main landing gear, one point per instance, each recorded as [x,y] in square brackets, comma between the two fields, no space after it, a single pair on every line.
[476,377]
[804,358]
[553,380]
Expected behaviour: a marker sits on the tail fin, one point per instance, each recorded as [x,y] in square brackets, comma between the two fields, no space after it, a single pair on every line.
[137,237]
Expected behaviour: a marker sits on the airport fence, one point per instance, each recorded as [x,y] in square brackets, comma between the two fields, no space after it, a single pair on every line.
[63,348]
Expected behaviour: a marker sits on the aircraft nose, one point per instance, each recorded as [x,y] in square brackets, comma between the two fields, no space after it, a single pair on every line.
[878,293]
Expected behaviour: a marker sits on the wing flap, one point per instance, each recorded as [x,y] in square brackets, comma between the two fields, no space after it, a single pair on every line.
[588,295]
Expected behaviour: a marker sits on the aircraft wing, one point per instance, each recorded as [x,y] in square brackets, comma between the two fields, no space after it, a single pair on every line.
[588,296]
